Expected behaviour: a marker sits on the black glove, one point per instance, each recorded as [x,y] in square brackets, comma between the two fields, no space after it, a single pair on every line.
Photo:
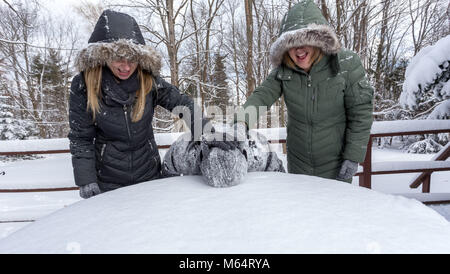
[89,190]
[348,170]
[220,140]
[229,140]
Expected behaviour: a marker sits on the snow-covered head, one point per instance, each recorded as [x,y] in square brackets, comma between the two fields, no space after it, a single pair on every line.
[117,36]
[221,168]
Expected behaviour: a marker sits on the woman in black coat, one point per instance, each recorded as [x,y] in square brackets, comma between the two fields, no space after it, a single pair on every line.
[112,102]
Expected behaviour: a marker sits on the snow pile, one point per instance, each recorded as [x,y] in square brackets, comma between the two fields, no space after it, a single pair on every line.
[267,213]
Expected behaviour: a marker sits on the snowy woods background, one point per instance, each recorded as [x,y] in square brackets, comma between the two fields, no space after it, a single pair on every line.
[217,50]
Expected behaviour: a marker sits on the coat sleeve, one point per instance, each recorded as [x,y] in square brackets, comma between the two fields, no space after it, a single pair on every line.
[82,134]
[169,97]
[359,108]
[263,96]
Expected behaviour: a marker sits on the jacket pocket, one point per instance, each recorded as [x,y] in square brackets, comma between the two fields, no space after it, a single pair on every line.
[365,91]
[330,96]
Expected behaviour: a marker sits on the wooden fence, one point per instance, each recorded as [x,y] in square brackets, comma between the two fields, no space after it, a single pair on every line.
[405,128]
[379,129]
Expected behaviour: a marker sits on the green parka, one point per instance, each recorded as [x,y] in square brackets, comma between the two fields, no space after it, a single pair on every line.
[329,108]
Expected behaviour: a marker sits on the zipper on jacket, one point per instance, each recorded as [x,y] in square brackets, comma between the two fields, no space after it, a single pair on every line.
[102,152]
[125,111]
[310,115]
[130,164]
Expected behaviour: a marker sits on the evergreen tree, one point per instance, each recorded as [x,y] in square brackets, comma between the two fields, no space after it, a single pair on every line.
[219,92]
[12,128]
[426,91]
[51,79]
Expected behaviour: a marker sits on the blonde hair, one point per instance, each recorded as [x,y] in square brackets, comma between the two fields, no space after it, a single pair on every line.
[93,79]
[316,57]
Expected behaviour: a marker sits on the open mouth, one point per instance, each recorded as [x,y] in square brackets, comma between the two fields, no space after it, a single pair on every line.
[122,72]
[302,56]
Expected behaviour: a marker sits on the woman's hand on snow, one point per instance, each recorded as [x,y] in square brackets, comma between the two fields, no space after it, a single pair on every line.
[87,191]
[348,170]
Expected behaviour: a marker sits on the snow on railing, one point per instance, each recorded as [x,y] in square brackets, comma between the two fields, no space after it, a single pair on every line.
[408,127]
[398,128]
[163,140]
[278,135]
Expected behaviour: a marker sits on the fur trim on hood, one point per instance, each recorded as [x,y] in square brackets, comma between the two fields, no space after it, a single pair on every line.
[98,54]
[321,36]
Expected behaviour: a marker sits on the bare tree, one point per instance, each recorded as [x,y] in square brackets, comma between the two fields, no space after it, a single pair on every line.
[249,30]
[90,12]
[25,35]
[426,17]
[202,16]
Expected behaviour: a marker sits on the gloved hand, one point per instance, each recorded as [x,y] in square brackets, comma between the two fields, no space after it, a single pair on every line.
[87,191]
[229,140]
[348,170]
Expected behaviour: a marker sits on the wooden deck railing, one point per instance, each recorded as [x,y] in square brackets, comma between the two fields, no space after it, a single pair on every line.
[379,129]
[404,128]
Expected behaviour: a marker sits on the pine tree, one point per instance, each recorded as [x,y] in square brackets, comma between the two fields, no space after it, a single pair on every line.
[219,92]
[50,76]
[12,128]
[426,91]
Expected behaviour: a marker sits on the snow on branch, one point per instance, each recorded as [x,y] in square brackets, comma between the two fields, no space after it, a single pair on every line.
[31,45]
[424,72]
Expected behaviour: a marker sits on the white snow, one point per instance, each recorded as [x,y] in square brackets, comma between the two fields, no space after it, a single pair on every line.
[442,111]
[34,145]
[409,165]
[378,127]
[423,69]
[185,215]
[63,143]
[382,127]
[268,213]
[53,171]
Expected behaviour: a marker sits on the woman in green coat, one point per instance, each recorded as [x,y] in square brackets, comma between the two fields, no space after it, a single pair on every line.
[328,97]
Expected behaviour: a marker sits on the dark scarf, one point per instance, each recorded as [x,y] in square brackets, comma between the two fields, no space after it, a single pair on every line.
[122,92]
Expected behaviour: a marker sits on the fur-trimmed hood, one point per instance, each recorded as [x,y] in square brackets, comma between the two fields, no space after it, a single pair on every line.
[118,36]
[304,25]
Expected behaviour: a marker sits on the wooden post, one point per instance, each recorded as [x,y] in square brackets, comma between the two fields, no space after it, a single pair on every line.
[426,183]
[365,180]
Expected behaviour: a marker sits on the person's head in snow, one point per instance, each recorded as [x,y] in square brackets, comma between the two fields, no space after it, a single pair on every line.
[112,102]
[221,166]
[327,94]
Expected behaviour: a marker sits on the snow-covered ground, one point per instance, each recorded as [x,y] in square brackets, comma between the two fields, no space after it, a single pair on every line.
[56,171]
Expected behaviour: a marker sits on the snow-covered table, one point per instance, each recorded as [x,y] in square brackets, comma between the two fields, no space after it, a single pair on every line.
[267,213]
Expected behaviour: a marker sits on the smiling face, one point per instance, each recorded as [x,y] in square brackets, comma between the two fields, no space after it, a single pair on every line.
[303,56]
[122,69]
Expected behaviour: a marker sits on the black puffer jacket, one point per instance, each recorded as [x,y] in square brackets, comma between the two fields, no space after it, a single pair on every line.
[112,150]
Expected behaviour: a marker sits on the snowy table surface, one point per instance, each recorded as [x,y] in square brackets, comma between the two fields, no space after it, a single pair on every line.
[267,213]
